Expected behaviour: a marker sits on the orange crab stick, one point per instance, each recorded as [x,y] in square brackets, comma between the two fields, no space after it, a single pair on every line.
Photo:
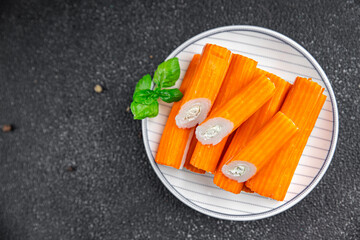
[230,115]
[303,106]
[253,157]
[174,141]
[187,164]
[247,130]
[240,73]
[201,94]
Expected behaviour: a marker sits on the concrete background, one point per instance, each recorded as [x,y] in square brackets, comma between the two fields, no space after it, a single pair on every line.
[53,53]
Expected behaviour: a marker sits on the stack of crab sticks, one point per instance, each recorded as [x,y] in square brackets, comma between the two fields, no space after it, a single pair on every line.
[246,126]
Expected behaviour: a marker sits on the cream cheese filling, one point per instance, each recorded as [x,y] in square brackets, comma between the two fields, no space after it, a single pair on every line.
[193,113]
[238,171]
[211,132]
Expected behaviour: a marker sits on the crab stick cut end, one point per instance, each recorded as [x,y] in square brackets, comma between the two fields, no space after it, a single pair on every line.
[239,171]
[214,130]
[193,112]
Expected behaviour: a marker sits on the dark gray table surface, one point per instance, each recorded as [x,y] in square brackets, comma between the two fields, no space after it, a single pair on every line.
[53,53]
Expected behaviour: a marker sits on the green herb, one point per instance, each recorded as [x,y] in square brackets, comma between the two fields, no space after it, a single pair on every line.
[145,100]
[167,73]
[171,95]
[142,111]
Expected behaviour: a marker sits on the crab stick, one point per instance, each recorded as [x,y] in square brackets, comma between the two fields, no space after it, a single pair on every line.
[201,94]
[230,115]
[253,157]
[174,141]
[187,164]
[302,105]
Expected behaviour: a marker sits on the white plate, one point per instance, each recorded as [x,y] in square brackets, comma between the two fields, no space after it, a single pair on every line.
[282,56]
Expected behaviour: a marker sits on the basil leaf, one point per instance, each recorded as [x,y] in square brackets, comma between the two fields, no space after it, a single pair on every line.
[145,102]
[143,84]
[141,111]
[170,95]
[167,73]
[145,96]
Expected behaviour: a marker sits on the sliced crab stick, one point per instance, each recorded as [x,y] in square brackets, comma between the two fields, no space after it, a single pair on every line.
[174,141]
[253,157]
[201,94]
[230,115]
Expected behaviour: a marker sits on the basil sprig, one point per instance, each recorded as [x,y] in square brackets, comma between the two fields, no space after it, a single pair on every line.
[145,101]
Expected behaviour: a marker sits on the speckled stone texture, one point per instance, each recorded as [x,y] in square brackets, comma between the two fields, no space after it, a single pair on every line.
[53,53]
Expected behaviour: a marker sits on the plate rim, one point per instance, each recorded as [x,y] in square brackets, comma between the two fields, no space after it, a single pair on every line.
[327,161]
